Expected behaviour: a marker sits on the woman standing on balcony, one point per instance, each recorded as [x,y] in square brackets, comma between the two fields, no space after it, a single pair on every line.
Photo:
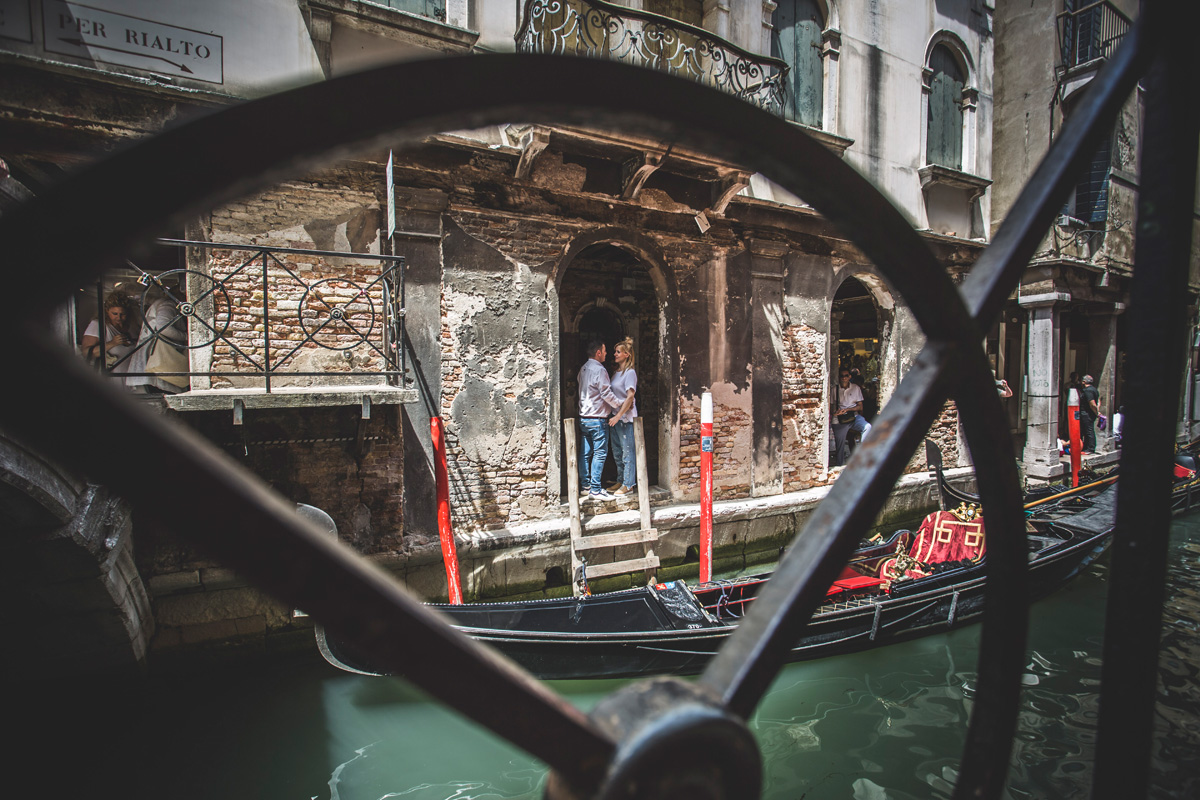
[624,386]
[118,335]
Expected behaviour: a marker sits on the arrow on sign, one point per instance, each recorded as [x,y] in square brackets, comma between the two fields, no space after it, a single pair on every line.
[90,45]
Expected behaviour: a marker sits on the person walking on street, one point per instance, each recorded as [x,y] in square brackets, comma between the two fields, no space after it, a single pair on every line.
[596,402]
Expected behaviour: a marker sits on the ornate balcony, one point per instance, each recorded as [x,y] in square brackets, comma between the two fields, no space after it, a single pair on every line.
[258,318]
[602,30]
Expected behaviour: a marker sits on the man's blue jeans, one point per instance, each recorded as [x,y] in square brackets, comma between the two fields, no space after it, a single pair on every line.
[623,453]
[595,451]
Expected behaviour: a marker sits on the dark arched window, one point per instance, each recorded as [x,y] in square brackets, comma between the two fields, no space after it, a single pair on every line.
[944,143]
[797,40]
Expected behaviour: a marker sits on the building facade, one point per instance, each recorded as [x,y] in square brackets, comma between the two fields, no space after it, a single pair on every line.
[1067,316]
[318,359]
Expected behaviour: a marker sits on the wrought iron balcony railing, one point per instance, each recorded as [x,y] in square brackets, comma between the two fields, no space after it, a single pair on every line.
[1090,33]
[601,30]
[253,313]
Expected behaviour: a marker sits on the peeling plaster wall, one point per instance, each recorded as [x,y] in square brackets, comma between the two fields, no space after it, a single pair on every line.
[496,370]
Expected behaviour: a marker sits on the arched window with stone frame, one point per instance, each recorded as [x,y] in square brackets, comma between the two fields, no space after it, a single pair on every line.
[947,80]
[799,38]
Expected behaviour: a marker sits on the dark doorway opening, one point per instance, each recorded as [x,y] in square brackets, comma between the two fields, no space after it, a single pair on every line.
[856,327]
[608,292]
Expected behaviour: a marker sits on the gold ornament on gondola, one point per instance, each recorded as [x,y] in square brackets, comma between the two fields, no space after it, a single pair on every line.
[967,512]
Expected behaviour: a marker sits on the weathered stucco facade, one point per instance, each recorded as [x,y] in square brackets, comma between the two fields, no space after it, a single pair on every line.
[519,242]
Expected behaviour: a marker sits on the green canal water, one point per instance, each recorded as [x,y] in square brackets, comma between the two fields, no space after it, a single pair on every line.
[884,724]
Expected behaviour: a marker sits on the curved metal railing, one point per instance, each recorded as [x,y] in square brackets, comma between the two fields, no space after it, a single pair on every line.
[655,737]
[252,311]
[597,29]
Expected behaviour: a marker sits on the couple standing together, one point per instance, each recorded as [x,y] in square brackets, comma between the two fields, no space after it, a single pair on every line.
[607,404]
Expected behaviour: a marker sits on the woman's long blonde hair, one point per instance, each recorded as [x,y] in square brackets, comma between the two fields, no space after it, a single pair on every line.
[626,344]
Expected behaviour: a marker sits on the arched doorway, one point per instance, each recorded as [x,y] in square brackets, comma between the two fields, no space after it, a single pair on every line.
[609,292]
[856,337]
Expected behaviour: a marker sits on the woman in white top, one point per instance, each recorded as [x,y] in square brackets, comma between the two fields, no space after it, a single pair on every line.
[118,335]
[624,386]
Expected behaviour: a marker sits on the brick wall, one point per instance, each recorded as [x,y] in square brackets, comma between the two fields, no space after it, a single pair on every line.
[731,453]
[944,432]
[310,455]
[805,432]
[302,291]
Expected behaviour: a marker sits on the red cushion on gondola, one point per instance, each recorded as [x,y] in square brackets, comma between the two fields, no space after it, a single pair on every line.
[858,582]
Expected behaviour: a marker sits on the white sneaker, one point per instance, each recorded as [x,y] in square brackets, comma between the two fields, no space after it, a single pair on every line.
[602,496]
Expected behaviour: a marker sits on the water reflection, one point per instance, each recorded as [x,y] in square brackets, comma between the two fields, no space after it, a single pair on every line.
[885,724]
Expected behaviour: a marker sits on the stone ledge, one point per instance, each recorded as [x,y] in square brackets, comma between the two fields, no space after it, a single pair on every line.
[289,397]
[664,518]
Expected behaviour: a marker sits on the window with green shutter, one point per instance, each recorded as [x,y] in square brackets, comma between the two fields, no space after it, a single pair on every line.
[797,40]
[944,143]
[434,9]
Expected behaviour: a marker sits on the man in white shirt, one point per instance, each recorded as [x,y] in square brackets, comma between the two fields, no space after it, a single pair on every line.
[596,404]
[847,405]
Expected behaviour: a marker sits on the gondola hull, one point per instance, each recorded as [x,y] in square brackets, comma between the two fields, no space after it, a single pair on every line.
[667,629]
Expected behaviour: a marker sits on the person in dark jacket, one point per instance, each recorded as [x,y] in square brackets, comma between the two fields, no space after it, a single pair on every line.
[1089,410]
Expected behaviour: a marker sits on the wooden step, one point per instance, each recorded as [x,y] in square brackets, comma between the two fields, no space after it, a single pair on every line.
[621,567]
[615,539]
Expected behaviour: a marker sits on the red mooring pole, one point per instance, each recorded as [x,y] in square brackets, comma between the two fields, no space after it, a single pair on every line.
[1073,428]
[445,531]
[706,486]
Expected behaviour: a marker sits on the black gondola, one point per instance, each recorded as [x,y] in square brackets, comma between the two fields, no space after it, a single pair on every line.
[884,595]
[1185,493]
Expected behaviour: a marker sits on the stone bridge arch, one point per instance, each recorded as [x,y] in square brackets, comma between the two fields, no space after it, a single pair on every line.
[74,602]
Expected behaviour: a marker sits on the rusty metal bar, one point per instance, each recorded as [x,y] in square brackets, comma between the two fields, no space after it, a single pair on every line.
[646,101]
[162,467]
[828,538]
[1156,350]
[251,528]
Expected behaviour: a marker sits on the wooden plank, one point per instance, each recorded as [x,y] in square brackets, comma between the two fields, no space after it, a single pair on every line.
[643,489]
[621,567]
[573,498]
[592,541]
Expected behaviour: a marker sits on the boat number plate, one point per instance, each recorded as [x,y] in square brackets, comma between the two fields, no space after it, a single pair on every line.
[706,444]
